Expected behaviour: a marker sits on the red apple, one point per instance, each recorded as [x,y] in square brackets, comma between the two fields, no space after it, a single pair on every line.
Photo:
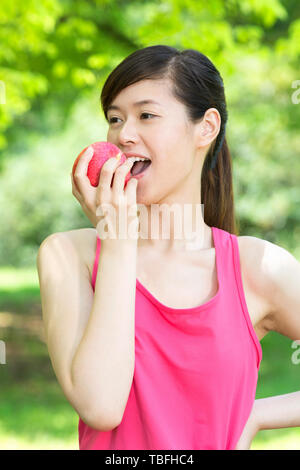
[102,152]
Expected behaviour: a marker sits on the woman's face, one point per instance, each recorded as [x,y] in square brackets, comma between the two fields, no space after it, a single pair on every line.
[159,131]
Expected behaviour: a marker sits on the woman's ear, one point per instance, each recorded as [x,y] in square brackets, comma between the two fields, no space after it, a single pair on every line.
[208,128]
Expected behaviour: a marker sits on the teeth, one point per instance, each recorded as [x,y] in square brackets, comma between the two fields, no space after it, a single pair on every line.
[137,159]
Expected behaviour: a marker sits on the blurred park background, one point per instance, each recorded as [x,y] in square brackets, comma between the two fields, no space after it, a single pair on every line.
[54,58]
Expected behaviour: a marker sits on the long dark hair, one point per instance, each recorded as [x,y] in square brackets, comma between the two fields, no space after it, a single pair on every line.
[199,86]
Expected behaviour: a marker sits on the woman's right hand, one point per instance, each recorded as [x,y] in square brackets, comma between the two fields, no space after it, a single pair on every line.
[103,204]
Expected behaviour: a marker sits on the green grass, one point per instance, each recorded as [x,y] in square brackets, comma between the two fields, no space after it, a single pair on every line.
[34,413]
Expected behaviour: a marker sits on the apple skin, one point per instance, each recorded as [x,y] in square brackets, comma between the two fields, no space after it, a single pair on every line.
[102,152]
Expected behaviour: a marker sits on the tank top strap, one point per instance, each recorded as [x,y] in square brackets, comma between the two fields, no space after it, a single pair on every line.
[241,293]
[228,262]
[223,256]
[96,262]
[230,280]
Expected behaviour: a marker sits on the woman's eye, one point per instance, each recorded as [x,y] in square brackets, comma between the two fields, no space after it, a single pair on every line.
[111,120]
[147,114]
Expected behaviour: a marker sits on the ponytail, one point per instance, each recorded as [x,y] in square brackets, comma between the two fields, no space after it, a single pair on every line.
[217,189]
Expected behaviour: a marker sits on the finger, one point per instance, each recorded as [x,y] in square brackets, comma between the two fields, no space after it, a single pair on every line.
[80,175]
[106,175]
[84,161]
[75,191]
[134,210]
[130,190]
[119,177]
[85,203]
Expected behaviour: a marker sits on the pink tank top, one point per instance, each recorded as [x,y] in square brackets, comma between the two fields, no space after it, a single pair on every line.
[196,369]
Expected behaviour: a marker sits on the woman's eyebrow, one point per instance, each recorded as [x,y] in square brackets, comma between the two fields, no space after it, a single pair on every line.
[137,103]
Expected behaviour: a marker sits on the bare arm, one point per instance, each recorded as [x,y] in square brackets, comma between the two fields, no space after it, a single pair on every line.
[105,356]
[279,411]
[281,280]
[90,337]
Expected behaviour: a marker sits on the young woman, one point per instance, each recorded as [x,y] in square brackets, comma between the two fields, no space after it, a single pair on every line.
[156,341]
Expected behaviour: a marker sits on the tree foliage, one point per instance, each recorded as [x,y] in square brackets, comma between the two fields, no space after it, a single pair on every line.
[51,50]
[55,53]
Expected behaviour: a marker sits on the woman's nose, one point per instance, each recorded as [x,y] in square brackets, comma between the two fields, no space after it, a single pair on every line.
[128,133]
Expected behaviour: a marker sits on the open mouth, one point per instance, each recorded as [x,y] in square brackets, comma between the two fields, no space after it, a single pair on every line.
[140,167]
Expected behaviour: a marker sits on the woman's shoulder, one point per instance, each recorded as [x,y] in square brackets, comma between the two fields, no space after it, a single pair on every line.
[83,240]
[255,256]
[81,235]
[258,259]
[258,253]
